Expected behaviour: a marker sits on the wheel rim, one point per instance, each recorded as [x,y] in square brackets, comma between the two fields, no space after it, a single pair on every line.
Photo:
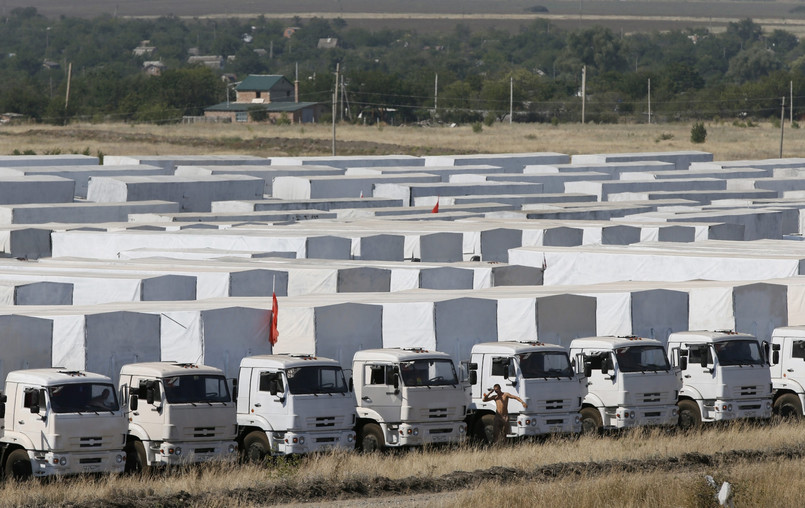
[589,426]
[788,411]
[255,452]
[686,419]
[370,443]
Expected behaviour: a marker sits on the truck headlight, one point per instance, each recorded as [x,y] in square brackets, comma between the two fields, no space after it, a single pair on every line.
[577,419]
[533,422]
[350,438]
[768,405]
[729,408]
[118,458]
[178,450]
[301,439]
[232,448]
[674,412]
[631,414]
[416,431]
[462,429]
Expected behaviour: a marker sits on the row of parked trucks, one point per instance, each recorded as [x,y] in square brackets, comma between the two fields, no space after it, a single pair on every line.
[57,421]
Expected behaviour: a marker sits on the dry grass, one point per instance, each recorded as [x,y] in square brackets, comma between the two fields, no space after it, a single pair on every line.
[755,483]
[725,141]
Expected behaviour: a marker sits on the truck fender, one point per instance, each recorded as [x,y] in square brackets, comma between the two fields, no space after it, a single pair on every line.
[690,393]
[136,431]
[19,440]
[368,415]
[791,386]
[592,400]
[248,423]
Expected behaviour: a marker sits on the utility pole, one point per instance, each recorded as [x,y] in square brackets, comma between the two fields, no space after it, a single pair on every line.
[335,98]
[791,103]
[69,78]
[511,99]
[782,124]
[649,101]
[343,96]
[436,95]
[583,91]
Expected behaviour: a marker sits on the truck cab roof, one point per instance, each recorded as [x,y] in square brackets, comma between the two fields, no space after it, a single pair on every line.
[511,347]
[789,331]
[707,337]
[609,342]
[286,361]
[55,376]
[167,369]
[398,355]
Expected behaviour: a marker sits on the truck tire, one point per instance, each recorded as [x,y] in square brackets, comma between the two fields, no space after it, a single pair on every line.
[18,465]
[690,416]
[136,459]
[484,429]
[255,446]
[788,407]
[371,438]
[591,422]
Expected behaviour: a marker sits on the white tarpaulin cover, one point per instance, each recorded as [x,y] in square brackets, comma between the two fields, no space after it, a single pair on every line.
[26,343]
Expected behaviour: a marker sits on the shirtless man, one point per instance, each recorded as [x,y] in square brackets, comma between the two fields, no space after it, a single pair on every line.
[501,426]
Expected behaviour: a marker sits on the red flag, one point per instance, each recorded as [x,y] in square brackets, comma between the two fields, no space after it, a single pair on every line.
[274,334]
[435,207]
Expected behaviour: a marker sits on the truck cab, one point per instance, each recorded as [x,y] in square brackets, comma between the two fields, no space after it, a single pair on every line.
[407,397]
[293,404]
[630,383]
[61,422]
[178,413]
[538,373]
[787,360]
[725,376]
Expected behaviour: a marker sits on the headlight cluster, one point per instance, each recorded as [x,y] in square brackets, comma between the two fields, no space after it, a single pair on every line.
[232,448]
[626,414]
[350,438]
[297,440]
[120,458]
[172,451]
[59,461]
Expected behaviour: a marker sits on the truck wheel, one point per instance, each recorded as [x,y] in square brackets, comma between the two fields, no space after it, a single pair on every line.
[484,429]
[136,459]
[690,416]
[255,446]
[591,422]
[18,465]
[371,438]
[788,407]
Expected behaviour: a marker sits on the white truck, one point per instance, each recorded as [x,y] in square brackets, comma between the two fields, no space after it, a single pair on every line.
[630,383]
[293,404]
[538,373]
[61,422]
[178,413]
[407,397]
[787,359]
[725,376]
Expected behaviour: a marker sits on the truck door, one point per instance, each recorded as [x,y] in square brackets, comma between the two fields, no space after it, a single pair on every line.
[793,361]
[378,392]
[31,424]
[268,392]
[149,416]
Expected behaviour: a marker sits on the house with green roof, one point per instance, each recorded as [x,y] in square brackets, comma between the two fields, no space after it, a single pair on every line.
[266,97]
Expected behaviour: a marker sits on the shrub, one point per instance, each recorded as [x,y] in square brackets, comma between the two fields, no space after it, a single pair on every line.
[489,120]
[477,127]
[698,133]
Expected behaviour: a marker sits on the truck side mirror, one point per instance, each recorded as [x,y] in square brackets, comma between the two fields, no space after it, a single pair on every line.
[511,372]
[32,400]
[151,388]
[703,359]
[473,377]
[588,369]
[134,402]
[273,387]
[234,388]
[606,364]
[351,385]
[683,362]
[395,380]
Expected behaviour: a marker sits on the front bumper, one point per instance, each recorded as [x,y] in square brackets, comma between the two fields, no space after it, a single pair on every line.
[541,424]
[419,434]
[193,452]
[297,443]
[70,463]
[625,417]
[724,410]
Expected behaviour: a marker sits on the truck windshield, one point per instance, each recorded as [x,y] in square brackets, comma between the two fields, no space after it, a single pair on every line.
[430,372]
[316,379]
[738,352]
[641,359]
[547,364]
[83,398]
[197,388]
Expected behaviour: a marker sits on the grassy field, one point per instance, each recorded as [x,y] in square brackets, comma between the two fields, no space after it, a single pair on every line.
[651,468]
[725,140]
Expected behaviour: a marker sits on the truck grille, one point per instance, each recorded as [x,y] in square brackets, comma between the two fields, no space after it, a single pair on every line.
[203,450]
[96,460]
[554,405]
[747,407]
[324,422]
[748,391]
[91,442]
[439,431]
[204,432]
[651,397]
[325,440]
